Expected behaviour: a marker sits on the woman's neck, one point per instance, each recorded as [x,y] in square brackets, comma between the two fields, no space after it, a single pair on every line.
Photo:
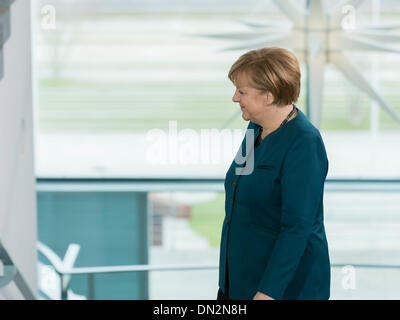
[275,118]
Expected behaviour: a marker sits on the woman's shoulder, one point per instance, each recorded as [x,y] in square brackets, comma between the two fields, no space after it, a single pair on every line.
[303,128]
[304,137]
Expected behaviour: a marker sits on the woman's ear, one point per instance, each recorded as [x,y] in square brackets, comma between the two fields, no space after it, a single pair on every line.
[269,98]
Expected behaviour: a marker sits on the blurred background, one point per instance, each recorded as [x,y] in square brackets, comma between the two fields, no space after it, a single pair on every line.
[128,223]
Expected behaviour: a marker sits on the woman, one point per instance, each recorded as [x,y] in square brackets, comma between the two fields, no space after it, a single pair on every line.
[273,243]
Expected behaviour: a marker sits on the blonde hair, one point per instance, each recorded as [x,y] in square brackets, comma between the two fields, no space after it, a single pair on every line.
[270,69]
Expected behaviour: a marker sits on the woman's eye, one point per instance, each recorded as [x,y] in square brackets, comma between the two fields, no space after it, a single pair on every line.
[240,92]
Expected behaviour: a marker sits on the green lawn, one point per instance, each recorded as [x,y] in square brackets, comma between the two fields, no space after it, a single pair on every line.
[67,105]
[134,51]
[207,218]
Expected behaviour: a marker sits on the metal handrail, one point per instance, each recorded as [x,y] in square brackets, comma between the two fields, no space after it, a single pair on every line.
[61,269]
[65,271]
[139,267]
[184,267]
[366,265]
[12,273]
[193,184]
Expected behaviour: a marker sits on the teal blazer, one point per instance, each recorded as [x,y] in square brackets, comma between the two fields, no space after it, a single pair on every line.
[273,237]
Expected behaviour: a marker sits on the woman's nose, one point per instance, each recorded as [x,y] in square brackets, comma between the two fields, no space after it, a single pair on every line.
[235,97]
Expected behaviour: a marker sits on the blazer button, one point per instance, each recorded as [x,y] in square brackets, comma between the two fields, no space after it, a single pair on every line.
[227,220]
[234,182]
[231,201]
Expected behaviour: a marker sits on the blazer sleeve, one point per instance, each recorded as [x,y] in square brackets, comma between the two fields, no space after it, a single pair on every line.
[303,175]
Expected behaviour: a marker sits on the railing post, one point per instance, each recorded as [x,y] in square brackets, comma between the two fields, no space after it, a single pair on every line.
[91,288]
[63,287]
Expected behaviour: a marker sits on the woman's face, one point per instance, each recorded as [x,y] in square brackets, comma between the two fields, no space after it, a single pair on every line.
[252,101]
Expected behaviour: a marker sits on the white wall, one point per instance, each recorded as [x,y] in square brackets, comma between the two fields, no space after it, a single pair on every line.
[18,229]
